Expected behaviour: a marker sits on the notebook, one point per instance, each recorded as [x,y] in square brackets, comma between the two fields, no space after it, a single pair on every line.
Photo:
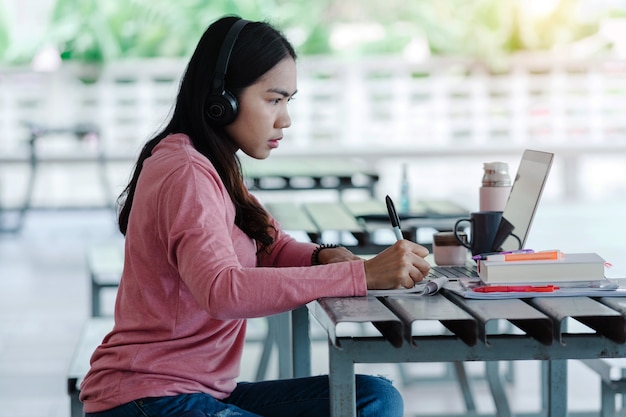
[518,213]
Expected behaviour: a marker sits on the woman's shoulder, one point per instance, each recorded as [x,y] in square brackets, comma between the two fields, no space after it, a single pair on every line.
[177,149]
[176,163]
[174,143]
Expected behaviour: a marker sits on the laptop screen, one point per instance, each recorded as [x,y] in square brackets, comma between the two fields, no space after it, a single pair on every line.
[523,200]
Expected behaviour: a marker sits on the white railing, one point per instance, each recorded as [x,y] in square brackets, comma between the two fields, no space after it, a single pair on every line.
[373,108]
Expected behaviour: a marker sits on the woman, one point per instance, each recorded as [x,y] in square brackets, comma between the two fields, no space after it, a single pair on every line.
[202,255]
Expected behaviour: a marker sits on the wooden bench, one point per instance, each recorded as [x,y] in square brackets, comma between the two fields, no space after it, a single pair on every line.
[92,334]
[104,264]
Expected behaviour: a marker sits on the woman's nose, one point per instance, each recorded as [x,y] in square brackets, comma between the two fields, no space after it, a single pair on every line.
[284,120]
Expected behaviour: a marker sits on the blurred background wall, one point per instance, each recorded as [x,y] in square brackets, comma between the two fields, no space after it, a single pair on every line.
[439,86]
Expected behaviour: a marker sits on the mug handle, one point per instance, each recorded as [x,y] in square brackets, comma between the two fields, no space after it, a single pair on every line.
[456,230]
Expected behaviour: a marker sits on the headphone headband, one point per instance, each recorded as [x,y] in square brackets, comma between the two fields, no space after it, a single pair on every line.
[221,67]
[221,105]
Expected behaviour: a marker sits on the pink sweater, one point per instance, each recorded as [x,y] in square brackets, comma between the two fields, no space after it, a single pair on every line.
[190,279]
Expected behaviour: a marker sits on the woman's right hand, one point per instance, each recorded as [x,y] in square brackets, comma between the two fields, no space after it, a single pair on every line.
[399,266]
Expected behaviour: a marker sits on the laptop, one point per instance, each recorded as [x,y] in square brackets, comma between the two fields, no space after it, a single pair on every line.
[518,213]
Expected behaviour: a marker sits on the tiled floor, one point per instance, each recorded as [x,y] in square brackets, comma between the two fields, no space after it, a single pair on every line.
[44,298]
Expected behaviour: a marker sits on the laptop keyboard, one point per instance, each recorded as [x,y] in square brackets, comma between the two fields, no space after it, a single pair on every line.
[452,272]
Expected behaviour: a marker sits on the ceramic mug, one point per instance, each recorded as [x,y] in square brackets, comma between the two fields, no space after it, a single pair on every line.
[447,250]
[483,228]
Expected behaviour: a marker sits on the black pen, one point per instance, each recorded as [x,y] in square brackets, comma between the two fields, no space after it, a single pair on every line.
[393,218]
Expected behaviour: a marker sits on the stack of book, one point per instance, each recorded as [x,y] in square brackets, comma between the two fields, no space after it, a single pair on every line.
[538,274]
[550,267]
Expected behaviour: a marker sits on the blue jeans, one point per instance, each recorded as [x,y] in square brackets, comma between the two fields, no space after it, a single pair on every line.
[301,397]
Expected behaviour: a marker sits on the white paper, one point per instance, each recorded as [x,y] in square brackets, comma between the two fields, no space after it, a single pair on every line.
[426,287]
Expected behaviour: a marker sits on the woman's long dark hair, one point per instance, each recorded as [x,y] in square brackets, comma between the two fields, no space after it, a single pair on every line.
[258,49]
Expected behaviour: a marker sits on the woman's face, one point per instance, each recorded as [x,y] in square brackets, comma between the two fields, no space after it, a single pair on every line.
[263,112]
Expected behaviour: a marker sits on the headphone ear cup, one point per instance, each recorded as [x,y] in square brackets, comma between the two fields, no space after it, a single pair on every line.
[221,109]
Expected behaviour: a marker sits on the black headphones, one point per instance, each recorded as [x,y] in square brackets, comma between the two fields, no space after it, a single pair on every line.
[221,104]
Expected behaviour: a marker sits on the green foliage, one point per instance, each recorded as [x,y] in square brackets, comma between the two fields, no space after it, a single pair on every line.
[4,36]
[87,30]
[99,31]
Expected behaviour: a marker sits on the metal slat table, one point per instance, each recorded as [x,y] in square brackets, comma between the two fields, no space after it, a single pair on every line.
[541,334]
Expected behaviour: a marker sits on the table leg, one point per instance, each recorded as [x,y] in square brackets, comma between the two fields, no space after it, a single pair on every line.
[290,332]
[496,385]
[95,297]
[301,342]
[268,345]
[495,379]
[342,383]
[282,333]
[607,400]
[557,388]
[76,407]
[461,376]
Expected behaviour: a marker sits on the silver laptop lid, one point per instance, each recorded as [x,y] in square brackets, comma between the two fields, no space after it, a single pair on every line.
[521,206]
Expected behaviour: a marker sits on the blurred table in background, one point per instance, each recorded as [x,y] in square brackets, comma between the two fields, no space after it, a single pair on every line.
[58,145]
[363,220]
[302,174]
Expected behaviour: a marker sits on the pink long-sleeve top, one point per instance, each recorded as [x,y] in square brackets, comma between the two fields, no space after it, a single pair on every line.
[191,278]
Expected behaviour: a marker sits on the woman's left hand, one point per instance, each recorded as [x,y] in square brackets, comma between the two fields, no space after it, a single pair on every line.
[333,255]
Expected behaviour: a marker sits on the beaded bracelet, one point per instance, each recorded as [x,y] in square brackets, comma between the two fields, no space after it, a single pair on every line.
[315,256]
